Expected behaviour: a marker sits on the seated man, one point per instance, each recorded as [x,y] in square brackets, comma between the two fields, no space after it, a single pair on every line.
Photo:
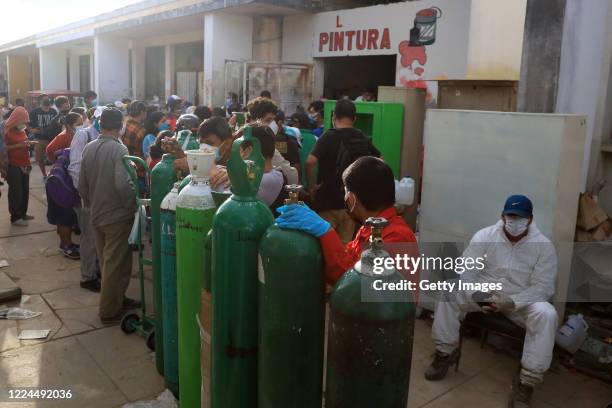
[369,192]
[524,261]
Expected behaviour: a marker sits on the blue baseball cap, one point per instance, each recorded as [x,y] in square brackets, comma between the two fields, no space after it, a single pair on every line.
[518,205]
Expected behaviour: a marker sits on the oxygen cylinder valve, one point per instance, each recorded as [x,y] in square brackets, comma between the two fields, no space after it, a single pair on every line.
[377,224]
[294,191]
[366,263]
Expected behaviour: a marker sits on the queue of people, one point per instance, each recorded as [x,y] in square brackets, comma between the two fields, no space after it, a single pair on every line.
[346,180]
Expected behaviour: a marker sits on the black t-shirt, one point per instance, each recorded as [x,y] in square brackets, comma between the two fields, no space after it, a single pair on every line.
[330,196]
[288,147]
[42,120]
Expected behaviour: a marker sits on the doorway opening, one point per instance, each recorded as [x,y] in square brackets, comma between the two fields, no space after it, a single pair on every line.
[352,76]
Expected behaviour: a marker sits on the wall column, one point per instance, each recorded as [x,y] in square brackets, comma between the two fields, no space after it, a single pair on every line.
[218,29]
[169,71]
[541,56]
[112,73]
[138,72]
[53,68]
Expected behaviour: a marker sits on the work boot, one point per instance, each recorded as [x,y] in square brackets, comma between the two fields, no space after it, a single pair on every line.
[520,396]
[440,365]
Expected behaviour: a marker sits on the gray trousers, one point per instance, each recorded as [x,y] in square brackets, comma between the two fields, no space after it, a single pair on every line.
[90,268]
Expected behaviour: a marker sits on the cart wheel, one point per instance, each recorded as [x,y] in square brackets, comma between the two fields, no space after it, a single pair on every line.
[129,323]
[151,340]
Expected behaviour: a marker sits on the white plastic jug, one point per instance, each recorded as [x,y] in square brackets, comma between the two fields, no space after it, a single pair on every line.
[572,334]
[404,191]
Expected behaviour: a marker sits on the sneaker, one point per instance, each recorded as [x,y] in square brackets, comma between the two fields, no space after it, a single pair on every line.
[28,217]
[520,396]
[71,252]
[440,365]
[131,303]
[92,285]
[20,223]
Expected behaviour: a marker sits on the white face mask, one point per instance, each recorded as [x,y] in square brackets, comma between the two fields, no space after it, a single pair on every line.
[516,226]
[206,146]
[274,126]
[21,128]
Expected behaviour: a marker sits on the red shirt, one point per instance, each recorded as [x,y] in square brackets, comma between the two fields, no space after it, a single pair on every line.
[340,258]
[153,163]
[20,156]
[61,141]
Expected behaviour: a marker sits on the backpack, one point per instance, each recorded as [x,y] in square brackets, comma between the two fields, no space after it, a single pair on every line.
[59,184]
[352,146]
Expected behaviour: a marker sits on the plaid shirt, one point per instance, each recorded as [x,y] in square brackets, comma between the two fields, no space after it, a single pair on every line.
[132,139]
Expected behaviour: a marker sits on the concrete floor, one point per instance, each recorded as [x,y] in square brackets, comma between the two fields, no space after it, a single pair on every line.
[106,368]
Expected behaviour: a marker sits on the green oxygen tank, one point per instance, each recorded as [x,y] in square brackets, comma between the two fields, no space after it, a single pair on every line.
[238,226]
[187,140]
[168,287]
[162,179]
[369,347]
[194,214]
[291,317]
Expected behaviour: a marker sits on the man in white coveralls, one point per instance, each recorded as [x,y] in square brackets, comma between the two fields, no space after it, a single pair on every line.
[524,261]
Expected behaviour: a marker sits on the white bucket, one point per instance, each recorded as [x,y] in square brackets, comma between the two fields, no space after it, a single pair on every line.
[200,162]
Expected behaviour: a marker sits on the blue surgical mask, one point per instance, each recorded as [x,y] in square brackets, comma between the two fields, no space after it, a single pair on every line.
[164,126]
[94,102]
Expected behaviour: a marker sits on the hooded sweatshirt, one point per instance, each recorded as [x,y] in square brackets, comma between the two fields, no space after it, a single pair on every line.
[18,157]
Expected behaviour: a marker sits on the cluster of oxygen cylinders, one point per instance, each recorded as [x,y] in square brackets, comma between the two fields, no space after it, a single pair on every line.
[243,304]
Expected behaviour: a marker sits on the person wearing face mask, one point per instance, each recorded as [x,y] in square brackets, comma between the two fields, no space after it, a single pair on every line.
[524,261]
[64,218]
[369,191]
[19,166]
[91,99]
[154,123]
[133,137]
[315,114]
[90,268]
[40,127]
[83,112]
[62,105]
[214,134]
[263,111]
[107,193]
[333,152]
[286,144]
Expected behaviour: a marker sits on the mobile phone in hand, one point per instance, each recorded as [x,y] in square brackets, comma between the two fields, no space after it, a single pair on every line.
[481,297]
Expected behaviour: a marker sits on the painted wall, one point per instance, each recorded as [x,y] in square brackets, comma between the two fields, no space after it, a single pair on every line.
[440,53]
[298,38]
[496,39]
[111,68]
[474,160]
[226,37]
[459,39]
[53,66]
